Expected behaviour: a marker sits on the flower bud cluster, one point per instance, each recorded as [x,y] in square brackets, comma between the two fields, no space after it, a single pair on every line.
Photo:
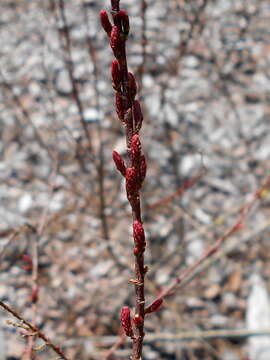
[126,321]
[134,174]
[129,112]
[123,82]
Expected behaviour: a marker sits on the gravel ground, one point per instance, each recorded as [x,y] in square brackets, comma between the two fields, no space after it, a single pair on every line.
[205,96]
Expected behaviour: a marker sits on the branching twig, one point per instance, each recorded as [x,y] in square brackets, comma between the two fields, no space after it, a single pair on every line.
[35,330]
[35,262]
[238,224]
[179,192]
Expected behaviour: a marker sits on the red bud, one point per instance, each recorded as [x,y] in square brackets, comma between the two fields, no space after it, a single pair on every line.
[116,75]
[155,306]
[119,163]
[105,22]
[132,85]
[135,147]
[138,234]
[137,115]
[131,181]
[119,106]
[116,42]
[126,321]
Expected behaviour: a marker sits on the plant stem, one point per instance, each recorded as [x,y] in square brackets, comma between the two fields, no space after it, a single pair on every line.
[129,112]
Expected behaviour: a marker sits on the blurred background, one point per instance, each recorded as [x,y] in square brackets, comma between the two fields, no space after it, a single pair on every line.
[203,71]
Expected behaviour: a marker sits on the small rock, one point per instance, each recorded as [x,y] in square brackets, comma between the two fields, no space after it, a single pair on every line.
[230,301]
[101,269]
[91,115]
[218,320]
[258,318]
[195,250]
[212,292]
[195,303]
[63,84]
[25,203]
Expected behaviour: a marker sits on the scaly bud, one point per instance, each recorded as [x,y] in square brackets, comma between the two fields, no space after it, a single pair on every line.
[105,22]
[116,75]
[116,42]
[137,115]
[131,181]
[126,321]
[143,168]
[119,163]
[155,306]
[123,15]
[138,235]
[119,106]
[135,148]
[132,86]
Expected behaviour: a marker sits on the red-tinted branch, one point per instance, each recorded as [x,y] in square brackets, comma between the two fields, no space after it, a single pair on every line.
[179,192]
[238,224]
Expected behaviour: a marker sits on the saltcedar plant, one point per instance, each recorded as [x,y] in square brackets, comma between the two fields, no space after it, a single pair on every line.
[133,170]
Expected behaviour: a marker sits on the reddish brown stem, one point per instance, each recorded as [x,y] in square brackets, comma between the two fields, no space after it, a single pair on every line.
[129,112]
[179,192]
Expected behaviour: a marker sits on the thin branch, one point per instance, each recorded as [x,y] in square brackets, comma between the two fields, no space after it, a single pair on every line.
[238,224]
[35,330]
[116,345]
[179,192]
